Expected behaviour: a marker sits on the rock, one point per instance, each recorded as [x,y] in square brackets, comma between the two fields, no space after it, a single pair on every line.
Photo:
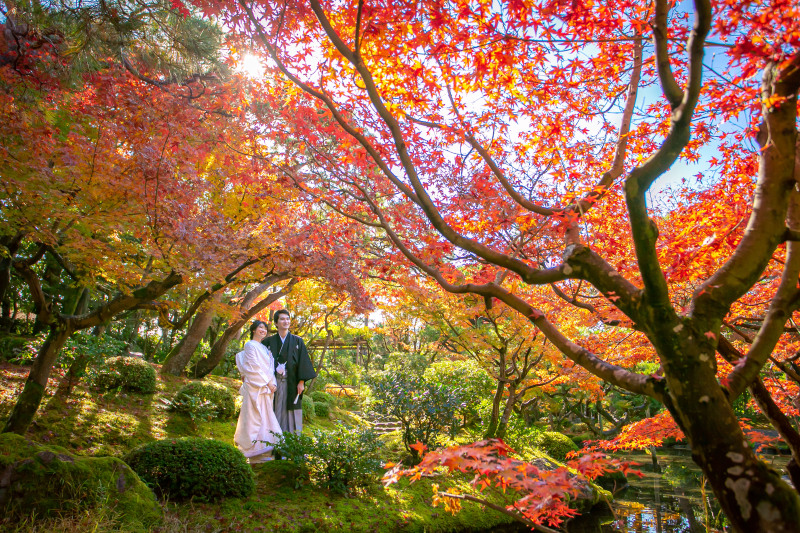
[46,480]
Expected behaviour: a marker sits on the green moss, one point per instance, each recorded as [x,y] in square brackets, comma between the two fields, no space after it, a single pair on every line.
[193,467]
[205,400]
[308,408]
[115,422]
[43,480]
[323,397]
[130,373]
[556,445]
[322,410]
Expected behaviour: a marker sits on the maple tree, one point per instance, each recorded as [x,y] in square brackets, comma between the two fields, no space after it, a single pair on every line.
[544,491]
[110,180]
[498,339]
[524,138]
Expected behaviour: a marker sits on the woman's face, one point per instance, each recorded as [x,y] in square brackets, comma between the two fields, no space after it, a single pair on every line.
[260,332]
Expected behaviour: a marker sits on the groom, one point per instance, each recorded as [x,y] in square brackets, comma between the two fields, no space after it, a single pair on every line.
[293,368]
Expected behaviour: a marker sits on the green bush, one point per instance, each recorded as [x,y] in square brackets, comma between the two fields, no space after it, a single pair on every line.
[340,460]
[323,397]
[426,411]
[555,444]
[295,448]
[205,400]
[322,410]
[20,350]
[193,467]
[472,383]
[521,437]
[130,373]
[44,480]
[308,408]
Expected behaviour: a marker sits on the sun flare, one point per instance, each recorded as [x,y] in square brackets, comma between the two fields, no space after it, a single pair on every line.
[250,65]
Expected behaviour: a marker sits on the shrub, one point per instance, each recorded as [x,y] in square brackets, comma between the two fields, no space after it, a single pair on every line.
[322,410]
[557,445]
[323,397]
[44,480]
[205,400]
[468,379]
[296,448]
[308,407]
[20,350]
[193,467]
[340,460]
[130,373]
[520,436]
[425,410]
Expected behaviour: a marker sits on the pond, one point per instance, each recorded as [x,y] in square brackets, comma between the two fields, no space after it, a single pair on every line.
[673,501]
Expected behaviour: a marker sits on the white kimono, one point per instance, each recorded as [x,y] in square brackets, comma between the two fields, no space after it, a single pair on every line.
[257,429]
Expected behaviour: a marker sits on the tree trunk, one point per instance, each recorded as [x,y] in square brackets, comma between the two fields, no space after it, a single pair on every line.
[78,367]
[178,359]
[217,353]
[61,328]
[31,396]
[752,495]
[509,408]
[494,419]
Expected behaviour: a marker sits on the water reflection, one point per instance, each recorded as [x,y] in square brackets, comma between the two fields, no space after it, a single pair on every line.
[673,501]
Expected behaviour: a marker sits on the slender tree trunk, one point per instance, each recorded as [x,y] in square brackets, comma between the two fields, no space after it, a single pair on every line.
[782,423]
[178,359]
[509,408]
[31,396]
[78,367]
[217,353]
[494,419]
[60,328]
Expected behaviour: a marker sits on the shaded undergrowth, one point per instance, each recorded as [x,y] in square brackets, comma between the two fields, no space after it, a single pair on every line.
[88,422]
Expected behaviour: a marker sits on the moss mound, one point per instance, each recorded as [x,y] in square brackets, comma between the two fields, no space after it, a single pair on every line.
[322,410]
[194,467]
[323,397]
[48,480]
[206,400]
[130,373]
[557,445]
[308,408]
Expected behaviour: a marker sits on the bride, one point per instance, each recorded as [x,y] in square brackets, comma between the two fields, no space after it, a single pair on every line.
[257,429]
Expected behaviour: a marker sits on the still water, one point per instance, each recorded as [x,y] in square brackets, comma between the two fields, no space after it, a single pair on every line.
[674,501]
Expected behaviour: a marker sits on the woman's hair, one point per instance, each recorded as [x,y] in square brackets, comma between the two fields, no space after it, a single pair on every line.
[278,314]
[254,326]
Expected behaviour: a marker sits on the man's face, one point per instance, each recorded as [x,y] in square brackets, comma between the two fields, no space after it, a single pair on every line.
[283,322]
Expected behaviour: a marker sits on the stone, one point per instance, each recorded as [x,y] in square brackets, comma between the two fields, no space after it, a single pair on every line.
[48,480]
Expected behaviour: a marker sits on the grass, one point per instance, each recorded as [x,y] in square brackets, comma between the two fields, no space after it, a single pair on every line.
[88,422]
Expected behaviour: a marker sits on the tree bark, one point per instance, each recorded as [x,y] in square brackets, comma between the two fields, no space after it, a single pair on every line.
[494,419]
[217,353]
[31,396]
[509,408]
[61,327]
[179,358]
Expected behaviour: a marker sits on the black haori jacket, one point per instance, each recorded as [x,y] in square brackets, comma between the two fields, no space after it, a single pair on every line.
[298,364]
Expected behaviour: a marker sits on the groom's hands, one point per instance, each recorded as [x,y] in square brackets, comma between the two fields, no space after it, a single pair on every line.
[301,386]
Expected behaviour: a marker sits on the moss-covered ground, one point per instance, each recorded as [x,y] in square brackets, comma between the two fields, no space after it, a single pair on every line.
[87,422]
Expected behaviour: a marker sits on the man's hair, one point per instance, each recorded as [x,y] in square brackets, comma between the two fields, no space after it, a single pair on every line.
[278,314]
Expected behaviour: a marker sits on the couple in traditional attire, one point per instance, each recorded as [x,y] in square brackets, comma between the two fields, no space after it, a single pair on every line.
[274,372]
